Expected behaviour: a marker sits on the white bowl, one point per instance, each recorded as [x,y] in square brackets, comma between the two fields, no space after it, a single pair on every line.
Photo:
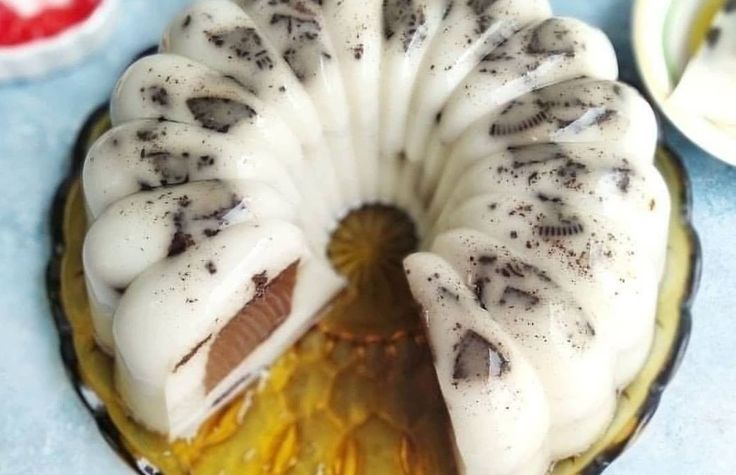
[662,32]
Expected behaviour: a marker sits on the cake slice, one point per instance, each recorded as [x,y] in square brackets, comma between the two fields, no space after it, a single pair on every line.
[193,330]
[499,413]
[151,226]
[572,359]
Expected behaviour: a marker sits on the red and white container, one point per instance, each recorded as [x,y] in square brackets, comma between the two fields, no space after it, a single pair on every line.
[37,36]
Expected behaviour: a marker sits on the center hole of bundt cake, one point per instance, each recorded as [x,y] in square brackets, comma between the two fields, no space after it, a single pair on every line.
[368,247]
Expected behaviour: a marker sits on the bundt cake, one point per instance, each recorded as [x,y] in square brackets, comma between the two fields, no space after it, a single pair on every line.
[526,168]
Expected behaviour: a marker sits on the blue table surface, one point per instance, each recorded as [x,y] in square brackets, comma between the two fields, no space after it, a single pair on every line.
[45,430]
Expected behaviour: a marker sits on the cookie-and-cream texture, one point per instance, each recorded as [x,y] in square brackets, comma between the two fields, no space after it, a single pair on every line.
[501,129]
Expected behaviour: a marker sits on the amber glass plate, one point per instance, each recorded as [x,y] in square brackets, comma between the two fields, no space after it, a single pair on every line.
[357,395]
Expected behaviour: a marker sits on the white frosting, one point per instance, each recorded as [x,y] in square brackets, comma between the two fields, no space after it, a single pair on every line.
[356,30]
[470,31]
[634,196]
[574,363]
[168,87]
[183,300]
[500,419]
[143,229]
[150,154]
[614,282]
[409,27]
[298,32]
[221,35]
[544,53]
[499,129]
[577,111]
[551,51]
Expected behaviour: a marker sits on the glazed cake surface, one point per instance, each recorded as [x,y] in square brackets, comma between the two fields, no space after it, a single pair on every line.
[527,169]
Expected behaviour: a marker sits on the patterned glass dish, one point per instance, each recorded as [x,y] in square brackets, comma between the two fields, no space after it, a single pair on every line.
[358,393]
